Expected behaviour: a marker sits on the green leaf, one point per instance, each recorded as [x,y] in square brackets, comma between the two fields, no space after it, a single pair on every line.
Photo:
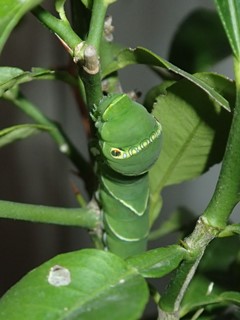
[230,230]
[202,293]
[200,41]
[195,131]
[229,12]
[231,296]
[7,76]
[157,263]
[11,77]
[143,56]
[88,285]
[11,11]
[19,132]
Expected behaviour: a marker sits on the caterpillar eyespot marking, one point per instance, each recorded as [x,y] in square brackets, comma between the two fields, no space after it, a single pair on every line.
[118,153]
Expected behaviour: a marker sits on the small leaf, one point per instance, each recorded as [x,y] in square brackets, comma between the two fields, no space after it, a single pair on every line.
[202,293]
[11,77]
[229,12]
[195,131]
[231,296]
[143,56]
[88,285]
[199,42]
[230,230]
[7,74]
[19,132]
[157,263]
[11,11]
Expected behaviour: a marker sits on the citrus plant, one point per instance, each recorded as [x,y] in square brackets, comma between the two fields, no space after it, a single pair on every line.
[185,124]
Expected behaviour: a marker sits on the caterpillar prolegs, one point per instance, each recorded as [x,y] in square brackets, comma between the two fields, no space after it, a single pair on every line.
[129,142]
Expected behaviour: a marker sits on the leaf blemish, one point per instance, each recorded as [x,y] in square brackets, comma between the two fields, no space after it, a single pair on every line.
[59,276]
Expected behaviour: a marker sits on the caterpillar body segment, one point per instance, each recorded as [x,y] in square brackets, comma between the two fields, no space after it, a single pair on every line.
[129,143]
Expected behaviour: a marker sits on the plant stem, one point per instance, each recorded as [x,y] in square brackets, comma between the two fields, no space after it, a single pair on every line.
[61,28]
[227,192]
[90,73]
[63,142]
[196,244]
[225,197]
[82,217]
[99,10]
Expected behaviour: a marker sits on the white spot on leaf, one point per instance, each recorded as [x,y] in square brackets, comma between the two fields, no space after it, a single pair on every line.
[59,276]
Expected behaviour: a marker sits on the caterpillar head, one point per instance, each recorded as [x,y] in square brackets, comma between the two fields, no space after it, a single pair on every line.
[129,136]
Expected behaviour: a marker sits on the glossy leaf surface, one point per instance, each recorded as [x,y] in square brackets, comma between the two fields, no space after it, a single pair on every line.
[157,263]
[143,56]
[196,127]
[87,284]
[11,11]
[229,12]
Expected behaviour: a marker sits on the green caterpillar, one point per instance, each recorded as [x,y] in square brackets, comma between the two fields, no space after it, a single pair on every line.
[129,142]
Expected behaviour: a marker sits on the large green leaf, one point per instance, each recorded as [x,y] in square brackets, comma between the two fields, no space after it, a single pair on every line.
[19,132]
[200,41]
[11,11]
[87,285]
[141,55]
[158,262]
[195,130]
[229,12]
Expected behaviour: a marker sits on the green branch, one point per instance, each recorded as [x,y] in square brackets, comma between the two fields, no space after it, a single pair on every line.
[214,219]
[81,217]
[195,244]
[99,10]
[90,66]
[61,28]
[227,192]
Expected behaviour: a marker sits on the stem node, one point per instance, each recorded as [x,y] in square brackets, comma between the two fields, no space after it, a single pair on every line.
[91,60]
